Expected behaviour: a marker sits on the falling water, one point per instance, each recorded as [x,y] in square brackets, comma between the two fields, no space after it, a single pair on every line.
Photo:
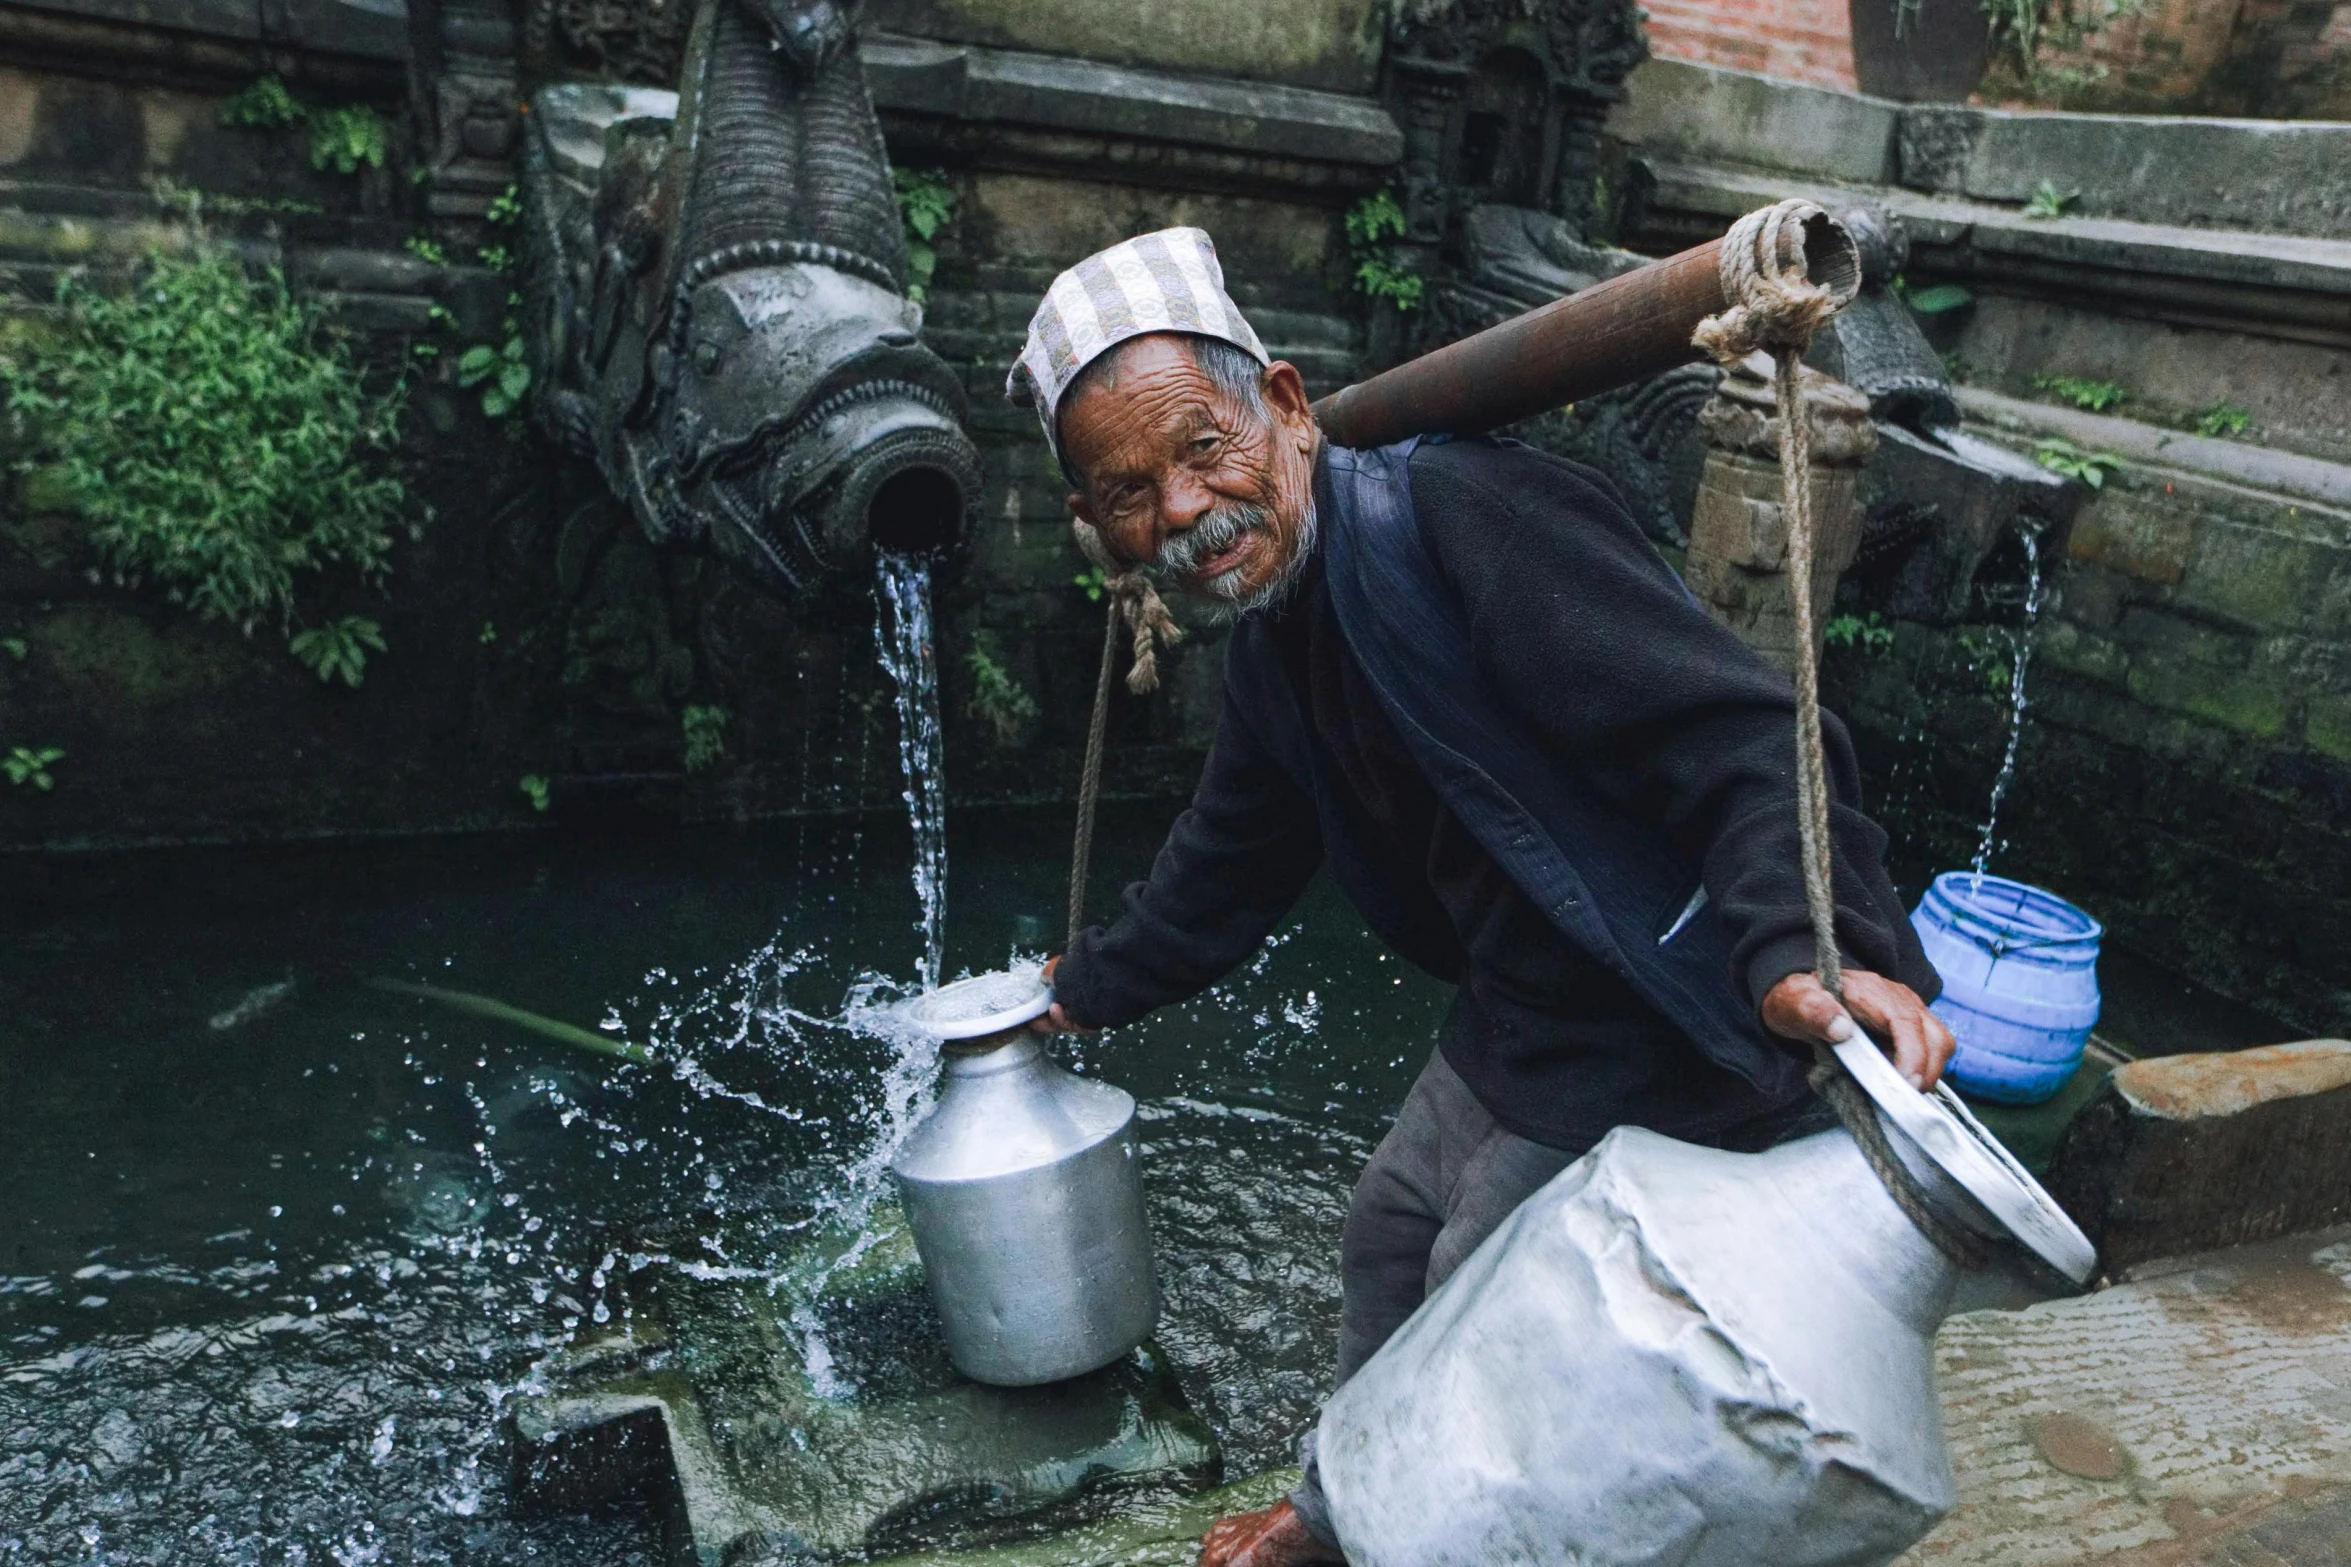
[904,634]
[2020,657]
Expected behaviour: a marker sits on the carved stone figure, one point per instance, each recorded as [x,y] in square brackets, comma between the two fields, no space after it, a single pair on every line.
[717,313]
[1501,101]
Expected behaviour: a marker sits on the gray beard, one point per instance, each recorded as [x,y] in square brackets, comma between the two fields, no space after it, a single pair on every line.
[1214,534]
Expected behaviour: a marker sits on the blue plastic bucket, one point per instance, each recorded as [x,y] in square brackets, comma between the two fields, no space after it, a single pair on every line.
[2020,982]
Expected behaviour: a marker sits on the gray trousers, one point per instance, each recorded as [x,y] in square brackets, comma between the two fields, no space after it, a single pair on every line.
[1442,1180]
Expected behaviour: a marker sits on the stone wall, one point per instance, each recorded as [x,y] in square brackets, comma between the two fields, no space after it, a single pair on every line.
[2182,771]
[532,630]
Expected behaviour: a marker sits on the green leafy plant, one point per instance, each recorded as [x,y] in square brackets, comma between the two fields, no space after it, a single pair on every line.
[502,372]
[2224,419]
[1871,633]
[426,250]
[505,208]
[2062,456]
[496,257]
[343,138]
[1936,299]
[219,439]
[338,650]
[534,789]
[2048,201]
[1371,224]
[29,764]
[2096,396]
[264,104]
[926,205]
[705,737]
[15,647]
[997,699]
[1991,655]
[1094,581]
[488,634]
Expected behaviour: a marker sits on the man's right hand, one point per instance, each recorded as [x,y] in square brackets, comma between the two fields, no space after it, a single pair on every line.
[1055,1021]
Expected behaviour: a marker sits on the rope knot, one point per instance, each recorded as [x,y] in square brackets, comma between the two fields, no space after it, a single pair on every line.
[1136,601]
[1775,304]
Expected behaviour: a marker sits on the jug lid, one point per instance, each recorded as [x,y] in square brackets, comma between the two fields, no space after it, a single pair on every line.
[982,1004]
[1946,1131]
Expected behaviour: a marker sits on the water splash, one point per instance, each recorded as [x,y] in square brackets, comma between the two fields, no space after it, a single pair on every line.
[903,583]
[2020,659]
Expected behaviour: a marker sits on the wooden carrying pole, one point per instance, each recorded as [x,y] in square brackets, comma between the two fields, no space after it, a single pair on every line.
[1609,335]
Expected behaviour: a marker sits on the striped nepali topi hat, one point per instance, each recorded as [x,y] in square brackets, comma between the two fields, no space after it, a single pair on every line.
[1168,281]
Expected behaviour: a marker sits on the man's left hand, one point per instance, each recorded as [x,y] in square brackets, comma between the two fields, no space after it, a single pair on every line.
[1800,1007]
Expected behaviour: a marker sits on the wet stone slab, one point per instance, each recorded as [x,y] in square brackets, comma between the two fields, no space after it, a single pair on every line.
[810,1414]
[2200,1417]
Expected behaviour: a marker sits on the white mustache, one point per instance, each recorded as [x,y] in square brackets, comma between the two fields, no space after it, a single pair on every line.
[1211,536]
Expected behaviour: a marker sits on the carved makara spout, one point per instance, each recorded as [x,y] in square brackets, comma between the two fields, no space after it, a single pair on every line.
[718,315]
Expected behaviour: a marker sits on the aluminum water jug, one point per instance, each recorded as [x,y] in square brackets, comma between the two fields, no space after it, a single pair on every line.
[1678,1355]
[1025,1195]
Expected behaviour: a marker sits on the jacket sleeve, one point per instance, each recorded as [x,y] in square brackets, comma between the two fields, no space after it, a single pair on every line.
[1233,865]
[1591,639]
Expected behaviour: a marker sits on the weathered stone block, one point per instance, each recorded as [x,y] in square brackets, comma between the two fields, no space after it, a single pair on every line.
[1707,112]
[2187,1153]
[2083,653]
[1314,43]
[2254,575]
[2326,726]
[2123,534]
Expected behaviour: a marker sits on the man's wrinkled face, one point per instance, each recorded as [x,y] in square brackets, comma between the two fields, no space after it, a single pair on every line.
[1178,474]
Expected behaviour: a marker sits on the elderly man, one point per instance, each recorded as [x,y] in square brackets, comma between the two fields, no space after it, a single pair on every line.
[1461,679]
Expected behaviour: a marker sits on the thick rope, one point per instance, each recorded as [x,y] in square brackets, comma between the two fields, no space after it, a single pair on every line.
[1134,600]
[1776,307]
[1090,781]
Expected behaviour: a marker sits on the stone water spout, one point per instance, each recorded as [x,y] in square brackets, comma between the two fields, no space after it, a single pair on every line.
[1938,501]
[715,290]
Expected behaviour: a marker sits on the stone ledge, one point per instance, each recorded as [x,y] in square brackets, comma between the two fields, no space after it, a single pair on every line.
[2277,285]
[2184,1153]
[367,29]
[2263,469]
[2235,256]
[2273,175]
[1013,87]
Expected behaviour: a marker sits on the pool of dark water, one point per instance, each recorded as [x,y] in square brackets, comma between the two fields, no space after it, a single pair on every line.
[280,1246]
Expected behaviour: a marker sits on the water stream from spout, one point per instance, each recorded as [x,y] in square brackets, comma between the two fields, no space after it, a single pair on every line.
[903,584]
[2020,658]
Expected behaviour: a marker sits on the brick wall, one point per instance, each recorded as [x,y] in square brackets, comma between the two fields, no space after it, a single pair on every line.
[1799,40]
[2285,59]
[2278,59]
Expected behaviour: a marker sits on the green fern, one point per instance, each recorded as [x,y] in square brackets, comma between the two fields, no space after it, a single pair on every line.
[926,205]
[344,138]
[264,105]
[338,650]
[1371,223]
